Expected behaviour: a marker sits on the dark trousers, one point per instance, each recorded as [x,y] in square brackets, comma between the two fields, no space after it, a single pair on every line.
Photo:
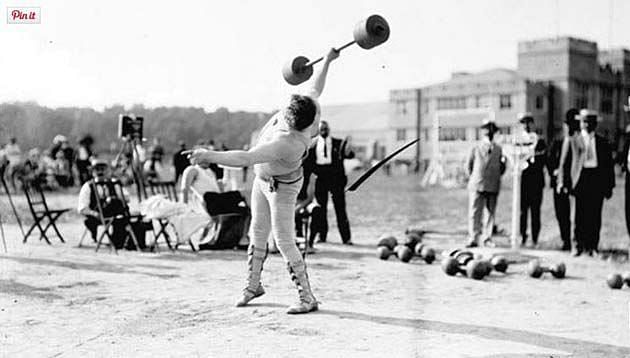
[627,197]
[562,206]
[118,230]
[336,187]
[589,201]
[314,220]
[83,167]
[531,199]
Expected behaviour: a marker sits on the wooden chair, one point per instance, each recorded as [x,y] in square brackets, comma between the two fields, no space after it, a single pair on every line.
[222,208]
[107,192]
[40,211]
[168,189]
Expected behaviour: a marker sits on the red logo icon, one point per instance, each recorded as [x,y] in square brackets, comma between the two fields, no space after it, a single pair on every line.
[24,15]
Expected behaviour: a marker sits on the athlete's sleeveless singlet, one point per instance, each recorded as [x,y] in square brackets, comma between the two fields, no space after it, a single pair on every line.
[283,170]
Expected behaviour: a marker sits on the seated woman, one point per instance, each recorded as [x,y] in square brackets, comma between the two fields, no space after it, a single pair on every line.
[189,216]
[197,180]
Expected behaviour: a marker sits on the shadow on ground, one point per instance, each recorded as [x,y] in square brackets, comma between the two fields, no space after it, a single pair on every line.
[587,348]
[98,267]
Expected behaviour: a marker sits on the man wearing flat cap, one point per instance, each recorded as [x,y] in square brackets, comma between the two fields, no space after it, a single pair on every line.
[532,162]
[561,200]
[587,170]
[485,165]
[88,206]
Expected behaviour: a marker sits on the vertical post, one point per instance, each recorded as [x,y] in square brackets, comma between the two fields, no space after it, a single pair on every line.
[516,194]
[4,243]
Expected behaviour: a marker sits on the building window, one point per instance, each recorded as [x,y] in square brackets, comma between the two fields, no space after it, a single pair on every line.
[425,134]
[539,102]
[451,103]
[581,95]
[401,107]
[507,130]
[477,101]
[401,134]
[505,101]
[452,134]
[606,105]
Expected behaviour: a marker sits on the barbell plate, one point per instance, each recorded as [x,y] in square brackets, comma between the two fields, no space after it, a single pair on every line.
[296,71]
[371,32]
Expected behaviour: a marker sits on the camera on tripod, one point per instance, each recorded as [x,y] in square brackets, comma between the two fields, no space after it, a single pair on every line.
[130,126]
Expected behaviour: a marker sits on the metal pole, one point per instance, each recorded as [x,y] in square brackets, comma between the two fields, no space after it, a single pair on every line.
[516,194]
[4,243]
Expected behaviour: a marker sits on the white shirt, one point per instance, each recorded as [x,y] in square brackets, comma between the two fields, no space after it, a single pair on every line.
[591,150]
[83,201]
[323,151]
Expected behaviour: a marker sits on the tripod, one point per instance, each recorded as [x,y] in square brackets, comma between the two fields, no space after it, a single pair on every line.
[129,149]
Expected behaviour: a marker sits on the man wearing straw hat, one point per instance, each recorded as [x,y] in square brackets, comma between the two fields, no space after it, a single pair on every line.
[485,165]
[587,170]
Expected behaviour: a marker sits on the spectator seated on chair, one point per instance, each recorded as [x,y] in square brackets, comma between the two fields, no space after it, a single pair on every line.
[308,214]
[88,205]
[188,217]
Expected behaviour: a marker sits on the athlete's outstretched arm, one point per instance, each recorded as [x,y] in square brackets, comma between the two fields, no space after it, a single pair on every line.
[240,158]
[320,77]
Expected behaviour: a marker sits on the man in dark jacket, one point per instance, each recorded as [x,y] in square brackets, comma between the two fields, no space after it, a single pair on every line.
[587,170]
[561,200]
[625,166]
[180,161]
[325,159]
[532,176]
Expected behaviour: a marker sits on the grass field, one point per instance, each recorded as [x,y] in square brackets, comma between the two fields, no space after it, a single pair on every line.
[391,204]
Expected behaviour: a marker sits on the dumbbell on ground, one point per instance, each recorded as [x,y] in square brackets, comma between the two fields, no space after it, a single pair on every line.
[536,270]
[386,245]
[424,252]
[616,281]
[403,253]
[496,263]
[473,268]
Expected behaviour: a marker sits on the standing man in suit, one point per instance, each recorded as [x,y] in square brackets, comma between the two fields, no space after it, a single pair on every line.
[587,169]
[485,165]
[532,176]
[561,200]
[625,166]
[180,160]
[325,159]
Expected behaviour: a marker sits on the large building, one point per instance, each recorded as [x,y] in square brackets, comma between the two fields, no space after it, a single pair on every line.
[552,76]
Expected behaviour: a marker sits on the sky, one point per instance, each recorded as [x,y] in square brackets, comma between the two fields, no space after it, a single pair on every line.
[230,54]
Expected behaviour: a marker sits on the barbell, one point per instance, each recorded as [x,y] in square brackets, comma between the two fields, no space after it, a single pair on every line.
[368,33]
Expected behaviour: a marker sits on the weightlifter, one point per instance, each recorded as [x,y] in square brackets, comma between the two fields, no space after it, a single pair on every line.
[277,159]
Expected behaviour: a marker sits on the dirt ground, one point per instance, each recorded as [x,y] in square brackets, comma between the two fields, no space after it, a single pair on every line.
[64,301]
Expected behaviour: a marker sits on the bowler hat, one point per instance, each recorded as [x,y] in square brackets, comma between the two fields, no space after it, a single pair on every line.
[487,123]
[588,115]
[569,117]
[96,162]
[525,117]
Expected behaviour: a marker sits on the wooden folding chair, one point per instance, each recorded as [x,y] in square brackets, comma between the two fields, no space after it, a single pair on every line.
[107,191]
[40,211]
[168,189]
[221,207]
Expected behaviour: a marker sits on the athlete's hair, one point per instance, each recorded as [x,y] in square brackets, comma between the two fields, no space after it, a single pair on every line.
[301,112]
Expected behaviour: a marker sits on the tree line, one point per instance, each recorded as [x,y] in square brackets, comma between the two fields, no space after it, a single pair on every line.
[36,126]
